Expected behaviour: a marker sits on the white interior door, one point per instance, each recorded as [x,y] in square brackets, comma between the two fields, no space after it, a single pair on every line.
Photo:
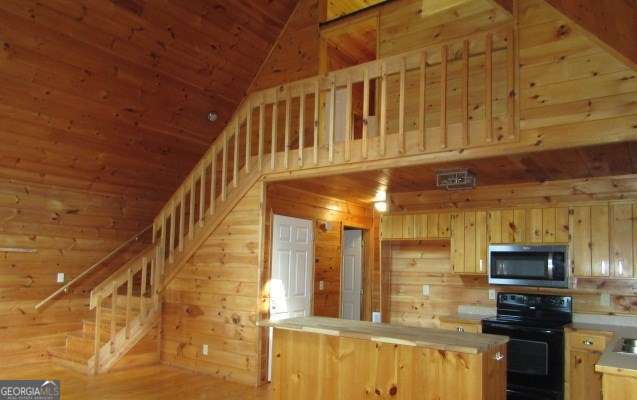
[292,267]
[351,274]
[292,270]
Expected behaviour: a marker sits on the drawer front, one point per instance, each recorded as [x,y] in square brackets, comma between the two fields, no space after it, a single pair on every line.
[586,341]
[461,327]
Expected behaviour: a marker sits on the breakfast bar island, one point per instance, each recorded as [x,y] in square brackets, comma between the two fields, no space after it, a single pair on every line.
[325,358]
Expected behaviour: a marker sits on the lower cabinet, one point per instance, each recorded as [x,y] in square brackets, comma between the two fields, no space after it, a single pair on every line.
[583,350]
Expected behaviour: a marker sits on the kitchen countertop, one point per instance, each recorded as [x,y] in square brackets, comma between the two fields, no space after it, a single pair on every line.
[396,334]
[611,362]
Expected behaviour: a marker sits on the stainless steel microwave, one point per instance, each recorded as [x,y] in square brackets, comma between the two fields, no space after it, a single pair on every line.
[529,265]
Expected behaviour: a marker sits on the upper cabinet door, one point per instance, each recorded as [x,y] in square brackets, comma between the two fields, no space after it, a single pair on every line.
[494,226]
[457,242]
[408,227]
[600,240]
[481,242]
[581,240]
[621,238]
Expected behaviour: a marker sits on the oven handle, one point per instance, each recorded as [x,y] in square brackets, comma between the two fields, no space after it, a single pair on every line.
[520,328]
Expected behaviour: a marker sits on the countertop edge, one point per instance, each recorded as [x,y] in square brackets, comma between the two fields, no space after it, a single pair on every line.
[478,349]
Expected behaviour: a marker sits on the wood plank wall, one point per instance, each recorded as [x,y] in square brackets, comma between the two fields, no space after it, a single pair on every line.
[295,54]
[213,300]
[413,264]
[568,83]
[329,215]
[70,230]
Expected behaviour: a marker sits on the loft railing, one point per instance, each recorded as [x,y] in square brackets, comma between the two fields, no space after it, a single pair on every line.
[453,95]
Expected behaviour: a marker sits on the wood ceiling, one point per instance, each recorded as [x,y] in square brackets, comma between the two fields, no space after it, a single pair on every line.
[113,96]
[606,160]
[339,8]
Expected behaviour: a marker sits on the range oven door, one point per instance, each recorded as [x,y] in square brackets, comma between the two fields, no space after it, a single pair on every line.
[528,265]
[535,360]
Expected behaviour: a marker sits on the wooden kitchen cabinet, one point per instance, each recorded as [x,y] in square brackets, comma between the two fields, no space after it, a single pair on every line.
[583,350]
[469,242]
[429,226]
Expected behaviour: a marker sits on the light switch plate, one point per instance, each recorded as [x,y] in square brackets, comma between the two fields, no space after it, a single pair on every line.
[204,350]
[60,277]
[425,290]
[376,317]
[321,285]
[604,300]
[492,294]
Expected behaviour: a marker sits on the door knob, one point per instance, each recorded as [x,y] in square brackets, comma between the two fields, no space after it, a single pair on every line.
[498,356]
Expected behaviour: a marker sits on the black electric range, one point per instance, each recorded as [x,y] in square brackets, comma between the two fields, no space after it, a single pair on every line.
[535,353]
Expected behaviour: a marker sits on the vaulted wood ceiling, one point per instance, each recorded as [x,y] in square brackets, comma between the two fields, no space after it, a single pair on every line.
[113,96]
[361,187]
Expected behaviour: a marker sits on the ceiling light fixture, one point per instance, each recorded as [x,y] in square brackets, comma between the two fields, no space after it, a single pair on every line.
[212,116]
[380,206]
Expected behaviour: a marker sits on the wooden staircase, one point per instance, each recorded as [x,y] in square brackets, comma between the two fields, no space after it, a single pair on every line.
[285,131]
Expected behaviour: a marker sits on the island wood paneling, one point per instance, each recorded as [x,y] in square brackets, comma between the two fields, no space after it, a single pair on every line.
[315,366]
[213,300]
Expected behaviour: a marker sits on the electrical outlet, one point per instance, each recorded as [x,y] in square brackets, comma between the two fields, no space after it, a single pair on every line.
[492,294]
[425,290]
[60,277]
[321,285]
[604,300]
[204,350]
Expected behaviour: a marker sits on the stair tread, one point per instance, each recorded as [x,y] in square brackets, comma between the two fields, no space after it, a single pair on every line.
[70,355]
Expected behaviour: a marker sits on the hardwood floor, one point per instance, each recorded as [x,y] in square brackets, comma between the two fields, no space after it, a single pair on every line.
[153,382]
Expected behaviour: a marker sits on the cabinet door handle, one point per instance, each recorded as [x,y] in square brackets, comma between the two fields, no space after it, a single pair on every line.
[460,329]
[588,342]
[498,356]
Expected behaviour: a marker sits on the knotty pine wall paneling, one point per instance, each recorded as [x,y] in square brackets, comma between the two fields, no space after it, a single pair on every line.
[214,300]
[70,230]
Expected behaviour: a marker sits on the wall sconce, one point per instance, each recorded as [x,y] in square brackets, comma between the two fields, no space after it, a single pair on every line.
[380,206]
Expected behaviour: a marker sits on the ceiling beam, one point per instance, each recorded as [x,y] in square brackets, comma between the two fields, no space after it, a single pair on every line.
[612,24]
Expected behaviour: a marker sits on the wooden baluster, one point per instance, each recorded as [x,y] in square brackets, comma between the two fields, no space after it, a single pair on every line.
[191,216]
[182,216]
[348,120]
[444,53]
[332,121]
[129,296]
[383,109]
[465,93]
[97,344]
[202,193]
[288,117]
[224,169]
[155,282]
[401,109]
[248,138]
[171,241]
[301,126]
[113,312]
[235,163]
[511,95]
[275,114]
[213,181]
[261,134]
[422,128]
[488,82]
[162,245]
[317,93]
[364,144]
[142,299]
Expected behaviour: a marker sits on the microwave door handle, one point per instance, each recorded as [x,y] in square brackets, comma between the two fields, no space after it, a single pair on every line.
[550,266]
